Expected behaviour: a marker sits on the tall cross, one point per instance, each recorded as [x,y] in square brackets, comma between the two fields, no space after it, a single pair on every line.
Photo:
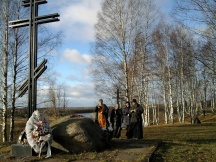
[35,70]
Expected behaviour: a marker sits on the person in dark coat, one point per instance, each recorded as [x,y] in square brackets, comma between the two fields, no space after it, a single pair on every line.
[126,117]
[135,129]
[116,121]
[101,116]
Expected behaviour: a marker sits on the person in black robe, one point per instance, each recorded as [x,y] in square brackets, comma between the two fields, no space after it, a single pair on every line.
[126,116]
[135,129]
[116,121]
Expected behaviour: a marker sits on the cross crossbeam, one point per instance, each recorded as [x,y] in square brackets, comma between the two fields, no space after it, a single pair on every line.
[38,20]
[26,3]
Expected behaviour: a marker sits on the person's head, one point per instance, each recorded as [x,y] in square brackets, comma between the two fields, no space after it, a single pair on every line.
[100,102]
[116,106]
[134,102]
[127,104]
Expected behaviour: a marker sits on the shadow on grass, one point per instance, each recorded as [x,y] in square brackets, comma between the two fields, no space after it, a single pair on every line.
[202,141]
[196,125]
[119,148]
[158,155]
[165,147]
[123,144]
[119,144]
[56,151]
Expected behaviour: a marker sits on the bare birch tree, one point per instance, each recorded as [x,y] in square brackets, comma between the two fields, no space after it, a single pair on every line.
[198,13]
[14,46]
[57,99]
[142,55]
[117,27]
[5,53]
[164,55]
[183,51]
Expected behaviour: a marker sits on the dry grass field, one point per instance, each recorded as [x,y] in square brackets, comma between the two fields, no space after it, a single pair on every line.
[180,142]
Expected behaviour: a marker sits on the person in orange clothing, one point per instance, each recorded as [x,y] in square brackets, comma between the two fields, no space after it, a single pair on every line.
[101,116]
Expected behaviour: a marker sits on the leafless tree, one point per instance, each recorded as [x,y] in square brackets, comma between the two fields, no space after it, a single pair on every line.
[199,16]
[4,17]
[56,96]
[119,22]
[163,55]
[132,52]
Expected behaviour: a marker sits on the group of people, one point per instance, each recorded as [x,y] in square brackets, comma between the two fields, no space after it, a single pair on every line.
[131,116]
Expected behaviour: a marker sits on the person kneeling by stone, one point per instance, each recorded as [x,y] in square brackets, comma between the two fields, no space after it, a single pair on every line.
[116,121]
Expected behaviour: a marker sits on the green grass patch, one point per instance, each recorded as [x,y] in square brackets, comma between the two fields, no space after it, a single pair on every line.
[184,142]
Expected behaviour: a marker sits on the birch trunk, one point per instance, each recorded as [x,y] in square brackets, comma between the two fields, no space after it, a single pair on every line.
[146,103]
[192,106]
[14,77]
[213,96]
[126,78]
[164,100]
[170,97]
[5,70]
[132,83]
[158,112]
[154,110]
[177,99]
[191,100]
[213,100]
[11,134]
[178,110]
[169,84]
[182,86]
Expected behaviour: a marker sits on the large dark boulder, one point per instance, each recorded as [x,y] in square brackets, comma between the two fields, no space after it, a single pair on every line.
[77,135]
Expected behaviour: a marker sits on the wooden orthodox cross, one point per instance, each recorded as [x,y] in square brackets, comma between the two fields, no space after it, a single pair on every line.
[35,70]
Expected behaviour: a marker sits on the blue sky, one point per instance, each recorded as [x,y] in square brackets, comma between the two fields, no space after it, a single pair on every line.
[77,19]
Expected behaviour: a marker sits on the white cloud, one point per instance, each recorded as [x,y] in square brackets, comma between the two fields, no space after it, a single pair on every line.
[75,56]
[75,78]
[57,74]
[83,76]
[81,95]
[77,18]
[78,95]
